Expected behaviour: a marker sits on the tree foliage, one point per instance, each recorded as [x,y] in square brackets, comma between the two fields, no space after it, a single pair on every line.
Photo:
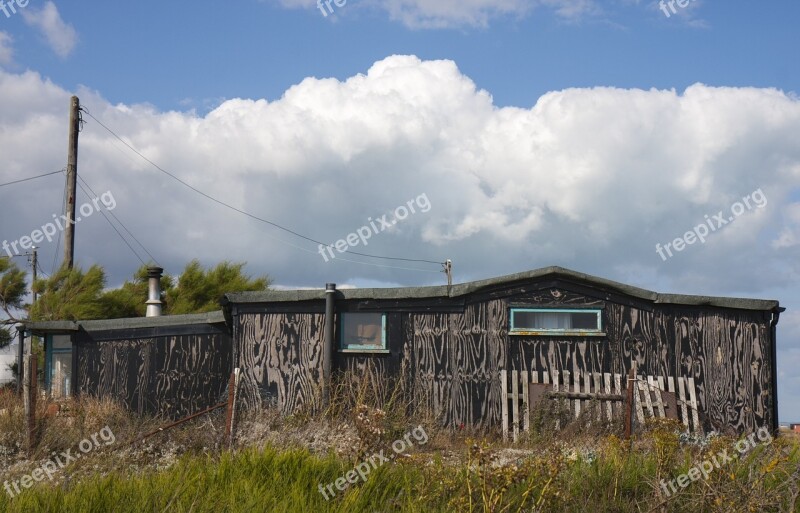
[75,295]
[12,295]
[200,290]
[70,295]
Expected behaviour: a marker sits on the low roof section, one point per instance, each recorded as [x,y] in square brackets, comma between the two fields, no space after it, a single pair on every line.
[166,321]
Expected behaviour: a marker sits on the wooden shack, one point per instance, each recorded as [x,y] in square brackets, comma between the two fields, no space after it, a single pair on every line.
[451,343]
[448,345]
[167,366]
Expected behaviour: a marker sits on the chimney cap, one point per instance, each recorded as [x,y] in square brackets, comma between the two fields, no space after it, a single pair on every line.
[154,272]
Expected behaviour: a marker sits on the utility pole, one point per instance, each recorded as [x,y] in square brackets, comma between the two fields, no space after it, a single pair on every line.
[72,182]
[448,270]
[34,265]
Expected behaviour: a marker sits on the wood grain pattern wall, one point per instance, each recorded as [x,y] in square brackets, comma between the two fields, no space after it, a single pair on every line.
[454,362]
[450,362]
[167,376]
[727,352]
[281,359]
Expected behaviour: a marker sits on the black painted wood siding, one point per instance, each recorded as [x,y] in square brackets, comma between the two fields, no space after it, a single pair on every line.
[450,356]
[171,376]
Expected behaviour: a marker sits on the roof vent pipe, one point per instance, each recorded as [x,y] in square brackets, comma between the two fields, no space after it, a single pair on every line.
[154,292]
[327,352]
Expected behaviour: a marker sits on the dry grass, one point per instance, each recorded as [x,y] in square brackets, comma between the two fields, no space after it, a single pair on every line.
[584,466]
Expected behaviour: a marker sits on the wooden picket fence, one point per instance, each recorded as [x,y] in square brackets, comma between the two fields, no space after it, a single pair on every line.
[655,396]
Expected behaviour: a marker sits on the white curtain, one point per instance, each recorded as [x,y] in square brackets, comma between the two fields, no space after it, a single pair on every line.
[552,321]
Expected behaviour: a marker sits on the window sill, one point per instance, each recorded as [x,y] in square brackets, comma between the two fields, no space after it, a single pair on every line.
[365,351]
[553,333]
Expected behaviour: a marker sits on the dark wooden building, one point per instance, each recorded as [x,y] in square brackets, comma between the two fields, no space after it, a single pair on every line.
[448,345]
[169,366]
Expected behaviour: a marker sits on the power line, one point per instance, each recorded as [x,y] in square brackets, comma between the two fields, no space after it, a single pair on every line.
[32,178]
[58,241]
[39,265]
[120,222]
[198,191]
[114,227]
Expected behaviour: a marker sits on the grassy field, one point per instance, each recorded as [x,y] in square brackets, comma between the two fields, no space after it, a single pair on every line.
[280,466]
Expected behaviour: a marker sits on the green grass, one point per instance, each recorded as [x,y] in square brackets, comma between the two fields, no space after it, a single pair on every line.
[286,480]
[546,472]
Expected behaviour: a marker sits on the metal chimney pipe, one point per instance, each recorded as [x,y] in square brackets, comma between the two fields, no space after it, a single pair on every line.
[327,351]
[154,292]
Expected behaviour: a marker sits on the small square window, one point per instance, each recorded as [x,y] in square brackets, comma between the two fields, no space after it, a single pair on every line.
[363,332]
[544,321]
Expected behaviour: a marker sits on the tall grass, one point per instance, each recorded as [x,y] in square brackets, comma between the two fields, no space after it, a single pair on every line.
[286,480]
[188,470]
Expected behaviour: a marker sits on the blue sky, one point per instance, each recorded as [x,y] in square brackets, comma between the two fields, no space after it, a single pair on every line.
[205,51]
[577,133]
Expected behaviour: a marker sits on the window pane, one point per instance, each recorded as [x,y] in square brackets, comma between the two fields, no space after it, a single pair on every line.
[584,320]
[362,330]
[554,320]
[61,376]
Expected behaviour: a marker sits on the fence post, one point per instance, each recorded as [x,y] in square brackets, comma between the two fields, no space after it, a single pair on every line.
[630,402]
[230,418]
[29,397]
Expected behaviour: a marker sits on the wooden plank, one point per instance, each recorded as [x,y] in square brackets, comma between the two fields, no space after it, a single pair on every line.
[682,401]
[671,384]
[660,380]
[693,403]
[618,409]
[515,402]
[504,393]
[556,388]
[643,386]
[598,389]
[655,391]
[526,415]
[639,404]
[609,411]
[567,381]
[590,397]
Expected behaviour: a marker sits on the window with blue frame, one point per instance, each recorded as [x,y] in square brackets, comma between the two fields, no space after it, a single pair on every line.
[556,321]
[58,373]
[363,332]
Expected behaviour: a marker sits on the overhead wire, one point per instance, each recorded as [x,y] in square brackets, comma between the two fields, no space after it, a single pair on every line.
[120,223]
[114,227]
[257,218]
[32,178]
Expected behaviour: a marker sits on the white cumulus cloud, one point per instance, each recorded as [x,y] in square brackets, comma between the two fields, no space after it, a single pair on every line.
[61,36]
[456,13]
[6,49]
